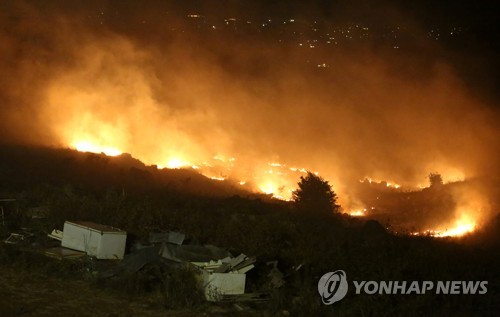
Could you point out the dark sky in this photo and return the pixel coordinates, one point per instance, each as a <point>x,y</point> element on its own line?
<point>481,12</point>
<point>480,17</point>
<point>480,43</point>
<point>428,11</point>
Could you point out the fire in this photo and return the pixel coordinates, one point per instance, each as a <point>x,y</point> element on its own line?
<point>176,163</point>
<point>86,146</point>
<point>268,188</point>
<point>153,135</point>
<point>393,185</point>
<point>357,213</point>
<point>117,99</point>
<point>217,178</point>
<point>277,191</point>
<point>468,215</point>
<point>389,184</point>
<point>461,227</point>
<point>277,184</point>
<point>279,180</point>
<point>460,230</point>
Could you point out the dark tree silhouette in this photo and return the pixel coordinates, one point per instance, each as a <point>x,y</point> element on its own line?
<point>315,195</point>
<point>435,179</point>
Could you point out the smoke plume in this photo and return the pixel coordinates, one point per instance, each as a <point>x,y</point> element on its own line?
<point>147,83</point>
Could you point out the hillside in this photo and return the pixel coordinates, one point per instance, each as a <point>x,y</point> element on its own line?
<point>25,167</point>
<point>54,185</point>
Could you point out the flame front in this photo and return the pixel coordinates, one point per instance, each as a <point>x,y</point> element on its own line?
<point>463,226</point>
<point>278,180</point>
<point>461,229</point>
<point>86,146</point>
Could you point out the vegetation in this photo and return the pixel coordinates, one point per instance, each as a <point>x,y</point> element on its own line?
<point>315,195</point>
<point>435,179</point>
<point>269,230</point>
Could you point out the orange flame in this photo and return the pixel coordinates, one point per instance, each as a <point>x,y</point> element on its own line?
<point>85,146</point>
<point>357,213</point>
<point>461,227</point>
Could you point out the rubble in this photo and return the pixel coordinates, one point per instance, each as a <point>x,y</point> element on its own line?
<point>247,297</point>
<point>276,277</point>
<point>14,238</point>
<point>135,261</point>
<point>56,234</point>
<point>220,274</point>
<point>192,253</point>
<point>167,237</point>
<point>240,264</point>
<point>225,276</point>
<point>217,285</point>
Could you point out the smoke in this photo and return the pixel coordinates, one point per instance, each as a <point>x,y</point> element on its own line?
<point>145,82</point>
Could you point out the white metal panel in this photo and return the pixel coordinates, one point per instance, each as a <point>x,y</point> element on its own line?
<point>88,238</point>
<point>112,246</point>
<point>217,284</point>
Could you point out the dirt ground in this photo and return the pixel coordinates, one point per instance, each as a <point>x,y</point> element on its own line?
<point>24,293</point>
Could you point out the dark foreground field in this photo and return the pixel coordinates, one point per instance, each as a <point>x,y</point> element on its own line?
<point>25,293</point>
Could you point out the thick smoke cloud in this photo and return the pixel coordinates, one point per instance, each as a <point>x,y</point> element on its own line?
<point>146,83</point>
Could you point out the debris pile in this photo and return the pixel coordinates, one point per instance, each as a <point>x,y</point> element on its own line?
<point>221,275</point>
<point>224,276</point>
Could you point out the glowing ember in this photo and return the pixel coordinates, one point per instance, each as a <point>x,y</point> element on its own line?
<point>357,213</point>
<point>85,146</point>
<point>216,178</point>
<point>393,185</point>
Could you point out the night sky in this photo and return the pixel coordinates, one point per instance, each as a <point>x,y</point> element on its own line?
<point>474,53</point>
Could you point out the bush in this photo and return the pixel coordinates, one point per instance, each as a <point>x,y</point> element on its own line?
<point>315,195</point>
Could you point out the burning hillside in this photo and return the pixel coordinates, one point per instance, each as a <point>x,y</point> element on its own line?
<point>439,210</point>
<point>251,111</point>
